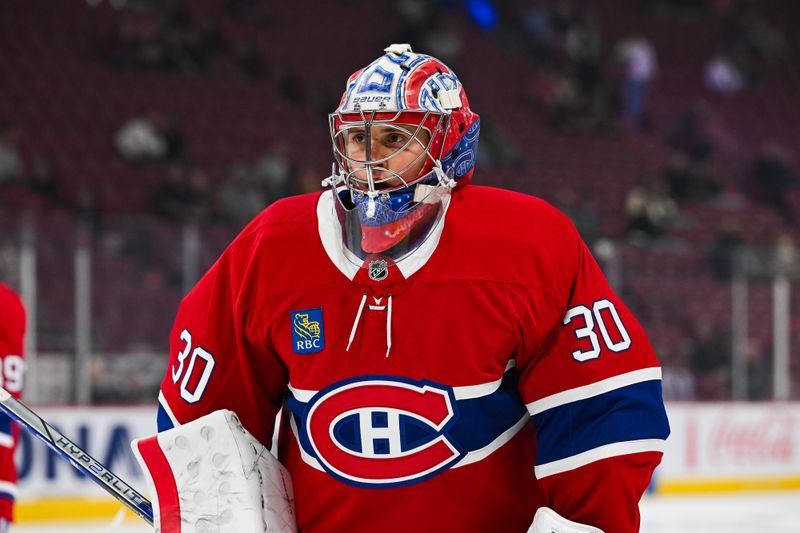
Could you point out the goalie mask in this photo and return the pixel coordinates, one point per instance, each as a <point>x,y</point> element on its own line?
<point>403,138</point>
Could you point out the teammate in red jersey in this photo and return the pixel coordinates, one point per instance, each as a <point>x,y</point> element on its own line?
<point>447,357</point>
<point>12,331</point>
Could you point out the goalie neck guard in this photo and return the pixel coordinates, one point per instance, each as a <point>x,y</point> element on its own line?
<point>403,138</point>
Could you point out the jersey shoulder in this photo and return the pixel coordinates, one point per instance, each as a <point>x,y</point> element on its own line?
<point>291,214</point>
<point>510,236</point>
<point>287,224</point>
<point>514,214</point>
<point>273,246</point>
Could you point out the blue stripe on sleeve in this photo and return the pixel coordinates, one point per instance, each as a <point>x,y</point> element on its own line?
<point>482,419</point>
<point>163,419</point>
<point>629,413</point>
<point>5,424</point>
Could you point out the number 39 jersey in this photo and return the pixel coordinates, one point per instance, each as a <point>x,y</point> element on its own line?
<point>12,330</point>
<point>492,372</point>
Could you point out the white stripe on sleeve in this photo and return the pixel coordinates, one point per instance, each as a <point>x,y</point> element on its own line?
<point>8,487</point>
<point>601,452</point>
<point>163,402</point>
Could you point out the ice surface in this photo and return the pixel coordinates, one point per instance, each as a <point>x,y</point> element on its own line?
<point>774,512</point>
<point>777,512</point>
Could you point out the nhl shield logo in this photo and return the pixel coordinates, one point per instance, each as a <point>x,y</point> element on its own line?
<point>378,269</point>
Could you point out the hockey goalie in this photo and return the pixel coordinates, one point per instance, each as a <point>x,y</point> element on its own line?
<point>445,356</point>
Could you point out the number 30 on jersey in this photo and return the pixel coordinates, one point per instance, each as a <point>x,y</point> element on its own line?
<point>195,373</point>
<point>595,318</point>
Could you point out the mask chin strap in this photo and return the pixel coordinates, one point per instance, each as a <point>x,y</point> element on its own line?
<point>335,178</point>
<point>433,193</point>
<point>444,179</point>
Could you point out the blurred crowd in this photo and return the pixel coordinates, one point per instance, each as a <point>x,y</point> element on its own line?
<point>582,80</point>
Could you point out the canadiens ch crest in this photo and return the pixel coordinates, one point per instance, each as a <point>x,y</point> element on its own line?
<point>383,431</point>
<point>307,331</point>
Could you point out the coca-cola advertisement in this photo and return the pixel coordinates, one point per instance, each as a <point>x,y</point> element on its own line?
<point>731,445</point>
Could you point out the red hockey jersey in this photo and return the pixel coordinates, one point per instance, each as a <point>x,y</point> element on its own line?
<point>12,330</point>
<point>492,372</point>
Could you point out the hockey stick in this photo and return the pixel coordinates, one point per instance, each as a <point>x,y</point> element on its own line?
<point>73,453</point>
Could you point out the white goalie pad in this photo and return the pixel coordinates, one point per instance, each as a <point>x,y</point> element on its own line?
<point>547,520</point>
<point>212,476</point>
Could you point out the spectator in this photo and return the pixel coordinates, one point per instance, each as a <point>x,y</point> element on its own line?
<point>149,138</point>
<point>565,109</point>
<point>641,66</point>
<point>709,356</point>
<point>11,167</point>
<point>678,381</point>
<point>649,210</point>
<point>497,149</point>
<point>288,83</point>
<point>203,194</point>
<point>691,134</point>
<point>445,42</point>
<point>688,181</point>
<point>185,194</point>
<point>542,88</point>
<point>307,180</point>
<point>582,44</point>
<point>582,213</point>
<point>240,197</point>
<point>759,371</point>
<point>43,178</point>
<point>538,28</point>
<point>722,75</point>
<point>250,60</point>
<point>725,249</point>
<point>139,140</point>
<point>416,18</point>
<point>772,177</point>
<point>273,171</point>
<point>784,256</point>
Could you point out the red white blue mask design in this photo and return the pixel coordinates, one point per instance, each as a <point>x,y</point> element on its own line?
<point>391,194</point>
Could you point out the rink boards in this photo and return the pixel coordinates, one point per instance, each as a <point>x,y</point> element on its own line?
<point>713,448</point>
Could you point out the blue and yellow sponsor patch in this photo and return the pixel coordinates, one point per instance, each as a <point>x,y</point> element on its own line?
<point>307,331</point>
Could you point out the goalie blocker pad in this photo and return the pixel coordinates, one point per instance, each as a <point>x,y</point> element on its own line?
<point>547,520</point>
<point>212,475</point>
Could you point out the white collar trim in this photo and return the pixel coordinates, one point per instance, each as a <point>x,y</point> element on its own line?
<point>348,263</point>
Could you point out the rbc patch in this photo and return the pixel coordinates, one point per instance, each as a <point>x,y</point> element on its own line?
<point>307,333</point>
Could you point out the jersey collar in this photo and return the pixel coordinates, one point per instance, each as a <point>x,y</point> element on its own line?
<point>330,233</point>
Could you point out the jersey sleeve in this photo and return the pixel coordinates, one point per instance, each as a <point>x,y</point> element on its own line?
<point>592,386</point>
<point>220,357</point>
<point>12,332</point>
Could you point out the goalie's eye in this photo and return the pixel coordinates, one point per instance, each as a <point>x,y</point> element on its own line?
<point>395,139</point>
<point>356,137</point>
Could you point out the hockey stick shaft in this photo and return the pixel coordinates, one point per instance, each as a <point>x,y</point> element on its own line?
<point>73,453</point>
